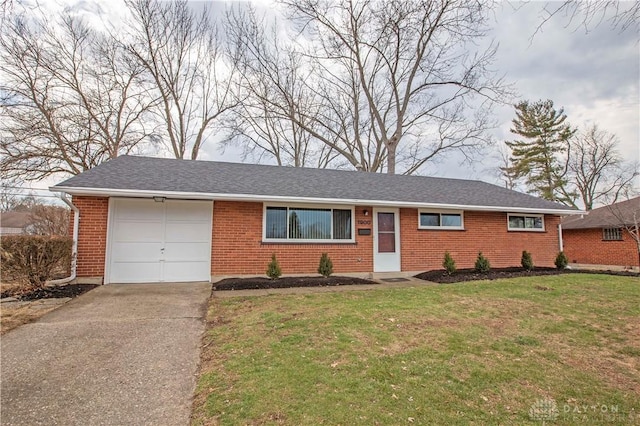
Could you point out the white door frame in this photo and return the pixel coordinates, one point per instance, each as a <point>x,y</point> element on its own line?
<point>386,262</point>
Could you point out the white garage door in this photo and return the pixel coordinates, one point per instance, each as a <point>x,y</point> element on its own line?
<point>159,241</point>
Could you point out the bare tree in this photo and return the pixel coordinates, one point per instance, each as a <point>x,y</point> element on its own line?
<point>622,15</point>
<point>598,172</point>
<point>626,215</point>
<point>390,83</point>
<point>506,168</point>
<point>10,196</point>
<point>49,220</point>
<point>71,99</point>
<point>188,69</point>
<point>273,75</point>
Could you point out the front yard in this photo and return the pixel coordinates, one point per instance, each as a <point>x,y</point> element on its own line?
<point>563,349</point>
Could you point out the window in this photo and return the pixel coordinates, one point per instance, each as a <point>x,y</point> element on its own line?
<point>611,234</point>
<point>440,220</point>
<point>526,222</point>
<point>305,224</point>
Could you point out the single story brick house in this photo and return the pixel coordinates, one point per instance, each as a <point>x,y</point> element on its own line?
<point>601,236</point>
<point>143,219</point>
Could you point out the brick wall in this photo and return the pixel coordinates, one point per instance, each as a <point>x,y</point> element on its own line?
<point>92,238</point>
<point>423,250</point>
<point>237,246</point>
<point>587,246</point>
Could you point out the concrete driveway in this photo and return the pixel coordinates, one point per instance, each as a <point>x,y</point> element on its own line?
<point>122,354</point>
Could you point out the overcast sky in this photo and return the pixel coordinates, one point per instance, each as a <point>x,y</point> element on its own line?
<point>594,75</point>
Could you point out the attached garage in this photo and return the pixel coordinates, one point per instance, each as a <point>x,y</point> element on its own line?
<point>158,240</point>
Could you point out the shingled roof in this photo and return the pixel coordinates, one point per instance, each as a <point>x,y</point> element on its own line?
<point>145,176</point>
<point>615,215</point>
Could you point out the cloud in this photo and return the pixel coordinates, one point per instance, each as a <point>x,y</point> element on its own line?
<point>595,76</point>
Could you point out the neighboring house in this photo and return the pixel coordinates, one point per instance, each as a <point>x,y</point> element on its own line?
<point>601,236</point>
<point>151,219</point>
<point>15,223</point>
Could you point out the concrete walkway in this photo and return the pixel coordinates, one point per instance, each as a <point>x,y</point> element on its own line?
<point>122,354</point>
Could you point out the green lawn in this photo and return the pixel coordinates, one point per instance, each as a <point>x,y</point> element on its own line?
<point>478,352</point>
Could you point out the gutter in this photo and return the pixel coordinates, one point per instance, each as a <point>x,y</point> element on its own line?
<point>74,246</point>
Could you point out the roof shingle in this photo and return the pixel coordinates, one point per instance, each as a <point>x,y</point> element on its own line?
<point>206,177</point>
<point>615,215</point>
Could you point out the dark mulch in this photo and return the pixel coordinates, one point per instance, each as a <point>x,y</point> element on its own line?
<point>441,276</point>
<point>69,290</point>
<point>286,282</point>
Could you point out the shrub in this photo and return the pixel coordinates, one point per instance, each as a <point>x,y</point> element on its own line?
<point>482,263</point>
<point>326,265</point>
<point>449,264</point>
<point>34,258</point>
<point>273,268</point>
<point>526,261</point>
<point>561,260</point>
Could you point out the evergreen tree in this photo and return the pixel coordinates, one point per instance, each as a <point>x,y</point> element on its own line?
<point>536,157</point>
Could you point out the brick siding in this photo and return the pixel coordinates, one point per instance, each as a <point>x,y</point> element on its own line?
<point>92,237</point>
<point>237,246</point>
<point>423,249</point>
<point>587,246</point>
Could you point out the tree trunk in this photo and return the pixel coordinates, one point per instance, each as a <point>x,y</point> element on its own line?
<point>391,159</point>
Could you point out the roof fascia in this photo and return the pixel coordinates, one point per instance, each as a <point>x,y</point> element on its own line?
<point>105,192</point>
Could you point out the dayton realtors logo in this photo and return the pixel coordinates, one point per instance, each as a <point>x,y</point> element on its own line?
<point>544,410</point>
<point>547,410</point>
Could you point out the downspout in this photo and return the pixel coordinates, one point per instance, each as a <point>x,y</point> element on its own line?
<point>74,246</point>
<point>560,242</point>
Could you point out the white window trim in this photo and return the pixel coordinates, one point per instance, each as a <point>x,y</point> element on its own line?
<point>441,212</point>
<point>309,206</point>
<point>525,215</point>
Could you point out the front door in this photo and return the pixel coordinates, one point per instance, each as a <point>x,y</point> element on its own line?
<point>386,240</point>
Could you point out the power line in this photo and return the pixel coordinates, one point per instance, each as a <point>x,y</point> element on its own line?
<point>24,189</point>
<point>17,194</point>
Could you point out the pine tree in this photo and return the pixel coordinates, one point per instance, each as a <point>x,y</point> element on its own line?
<point>273,268</point>
<point>448,263</point>
<point>326,265</point>
<point>537,156</point>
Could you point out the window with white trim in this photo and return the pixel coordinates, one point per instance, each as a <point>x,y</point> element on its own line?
<point>612,234</point>
<point>529,222</point>
<point>308,224</point>
<point>433,219</point>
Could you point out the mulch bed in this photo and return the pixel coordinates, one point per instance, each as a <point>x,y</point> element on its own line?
<point>58,292</point>
<point>441,276</point>
<point>286,282</point>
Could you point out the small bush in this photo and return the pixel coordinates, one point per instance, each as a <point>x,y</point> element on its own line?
<point>526,261</point>
<point>34,258</point>
<point>326,265</point>
<point>273,268</point>
<point>449,264</point>
<point>482,263</point>
<point>561,260</point>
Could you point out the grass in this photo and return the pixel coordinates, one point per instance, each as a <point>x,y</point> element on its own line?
<point>478,352</point>
<point>15,316</point>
